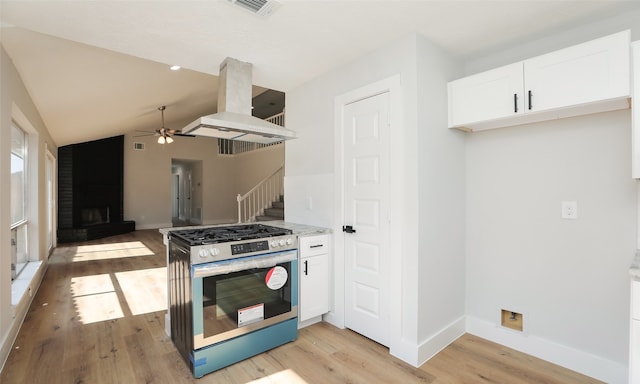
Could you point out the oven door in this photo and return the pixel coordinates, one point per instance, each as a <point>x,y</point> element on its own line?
<point>237,296</point>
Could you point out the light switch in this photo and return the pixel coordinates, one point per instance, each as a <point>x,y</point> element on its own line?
<point>309,203</point>
<point>569,210</point>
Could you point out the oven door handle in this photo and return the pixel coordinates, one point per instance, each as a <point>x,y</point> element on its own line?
<point>242,264</point>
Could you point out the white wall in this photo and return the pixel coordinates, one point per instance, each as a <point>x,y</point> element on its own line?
<point>441,201</point>
<point>568,278</point>
<point>252,167</point>
<point>555,40</point>
<point>310,175</point>
<point>15,102</point>
<point>147,178</point>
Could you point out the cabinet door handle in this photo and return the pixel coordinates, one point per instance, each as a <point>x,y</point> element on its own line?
<point>515,103</point>
<point>306,266</point>
<point>530,102</point>
<point>317,246</point>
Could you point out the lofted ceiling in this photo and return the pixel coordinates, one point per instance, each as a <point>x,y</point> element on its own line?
<point>100,68</point>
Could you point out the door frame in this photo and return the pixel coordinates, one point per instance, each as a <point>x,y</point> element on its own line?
<point>336,316</point>
<point>52,198</point>
<point>175,196</point>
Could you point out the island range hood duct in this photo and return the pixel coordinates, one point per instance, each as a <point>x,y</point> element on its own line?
<point>233,120</point>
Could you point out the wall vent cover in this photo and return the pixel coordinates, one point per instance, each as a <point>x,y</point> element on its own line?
<point>259,7</point>
<point>138,146</point>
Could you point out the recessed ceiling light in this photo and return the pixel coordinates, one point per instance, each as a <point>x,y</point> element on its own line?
<point>174,67</point>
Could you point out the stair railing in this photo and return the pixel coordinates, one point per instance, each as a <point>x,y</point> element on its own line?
<point>260,197</point>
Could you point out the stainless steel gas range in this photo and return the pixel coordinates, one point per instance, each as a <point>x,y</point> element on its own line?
<point>233,292</point>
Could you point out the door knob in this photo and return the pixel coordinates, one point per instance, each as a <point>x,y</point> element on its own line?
<point>348,229</point>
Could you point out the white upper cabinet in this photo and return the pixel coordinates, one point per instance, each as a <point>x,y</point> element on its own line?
<point>585,73</point>
<point>485,96</point>
<point>586,78</point>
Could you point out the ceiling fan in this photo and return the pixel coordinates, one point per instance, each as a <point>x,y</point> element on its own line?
<point>164,134</point>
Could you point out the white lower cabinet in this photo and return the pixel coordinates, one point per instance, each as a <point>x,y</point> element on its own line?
<point>634,334</point>
<point>314,277</point>
<point>634,355</point>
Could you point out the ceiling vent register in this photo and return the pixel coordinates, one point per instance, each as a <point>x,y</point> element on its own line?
<point>259,7</point>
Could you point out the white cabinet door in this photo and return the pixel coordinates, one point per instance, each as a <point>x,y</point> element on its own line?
<point>314,286</point>
<point>580,74</point>
<point>634,334</point>
<point>634,353</point>
<point>488,95</point>
<point>635,299</point>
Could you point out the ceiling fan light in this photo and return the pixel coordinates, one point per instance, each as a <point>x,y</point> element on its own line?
<point>169,140</point>
<point>161,140</point>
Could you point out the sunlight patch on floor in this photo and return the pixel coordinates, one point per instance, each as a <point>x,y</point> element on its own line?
<point>145,290</point>
<point>106,251</point>
<point>95,299</point>
<point>287,376</point>
<point>91,285</point>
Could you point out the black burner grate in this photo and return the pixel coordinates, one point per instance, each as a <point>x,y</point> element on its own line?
<point>212,235</point>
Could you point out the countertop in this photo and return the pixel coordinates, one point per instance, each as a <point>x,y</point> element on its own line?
<point>298,229</point>
<point>634,270</point>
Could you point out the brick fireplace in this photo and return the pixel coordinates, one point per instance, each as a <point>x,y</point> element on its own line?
<point>90,190</point>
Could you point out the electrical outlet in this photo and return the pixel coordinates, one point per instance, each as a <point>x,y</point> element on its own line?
<point>569,210</point>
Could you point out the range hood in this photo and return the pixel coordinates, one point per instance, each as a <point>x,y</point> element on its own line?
<point>233,121</point>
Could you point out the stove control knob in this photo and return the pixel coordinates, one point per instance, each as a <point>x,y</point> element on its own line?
<point>202,253</point>
<point>274,243</point>
<point>214,251</point>
<point>289,241</point>
<point>281,242</point>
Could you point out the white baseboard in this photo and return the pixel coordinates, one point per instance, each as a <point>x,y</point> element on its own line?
<point>153,226</point>
<point>441,340</point>
<point>308,322</point>
<point>417,355</point>
<point>562,355</point>
<point>333,319</point>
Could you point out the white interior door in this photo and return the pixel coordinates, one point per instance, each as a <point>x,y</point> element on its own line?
<point>366,204</point>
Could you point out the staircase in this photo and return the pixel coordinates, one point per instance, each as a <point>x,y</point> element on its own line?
<point>275,212</point>
<point>265,201</point>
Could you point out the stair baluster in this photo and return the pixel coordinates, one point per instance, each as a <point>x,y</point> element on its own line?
<point>258,203</point>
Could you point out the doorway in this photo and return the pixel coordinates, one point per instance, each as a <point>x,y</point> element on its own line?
<point>183,204</point>
<point>364,131</point>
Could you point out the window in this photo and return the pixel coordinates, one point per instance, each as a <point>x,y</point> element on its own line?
<point>19,255</point>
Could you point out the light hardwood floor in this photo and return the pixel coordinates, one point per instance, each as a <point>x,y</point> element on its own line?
<point>99,318</point>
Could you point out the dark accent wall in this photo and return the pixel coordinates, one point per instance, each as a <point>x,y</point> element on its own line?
<point>90,183</point>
